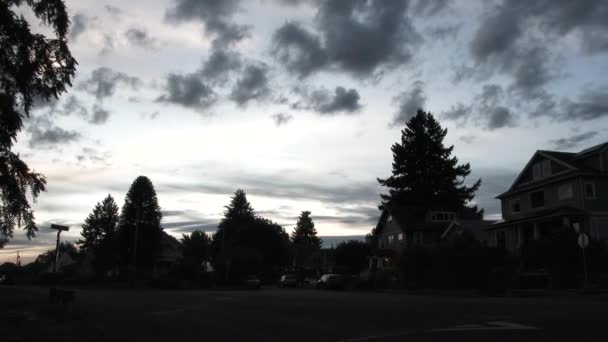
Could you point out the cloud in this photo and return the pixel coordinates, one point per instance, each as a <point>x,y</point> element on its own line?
<point>467,139</point>
<point>113,10</point>
<point>220,65</point>
<point>493,115</point>
<point>108,45</point>
<point>409,102</point>
<point>100,115</point>
<point>298,50</point>
<point>216,16</point>
<point>103,82</point>
<point>590,105</point>
<point>324,102</point>
<point>362,38</point>
<point>499,117</point>
<point>79,24</point>
<point>44,135</point>
<point>140,37</point>
<point>459,112</point>
<point>188,90</point>
<point>253,85</point>
<point>281,118</point>
<point>573,141</point>
<point>430,8</point>
<point>93,155</point>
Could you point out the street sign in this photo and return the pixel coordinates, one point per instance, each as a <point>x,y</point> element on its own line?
<point>583,240</point>
<point>60,227</point>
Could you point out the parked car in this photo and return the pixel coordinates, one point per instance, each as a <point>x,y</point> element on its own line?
<point>330,281</point>
<point>288,280</point>
<point>310,282</point>
<point>5,279</point>
<point>252,282</point>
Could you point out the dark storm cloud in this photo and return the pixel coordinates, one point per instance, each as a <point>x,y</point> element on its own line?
<point>253,85</point>
<point>409,102</point>
<point>499,117</point>
<point>216,16</point>
<point>220,64</point>
<point>281,118</point>
<point>299,50</point>
<point>590,105</point>
<point>79,24</point>
<point>100,115</point>
<point>189,91</point>
<point>103,82</point>
<point>140,37</point>
<point>492,114</point>
<point>459,112</point>
<point>324,102</point>
<point>45,135</point>
<point>430,8</point>
<point>573,141</point>
<point>360,37</point>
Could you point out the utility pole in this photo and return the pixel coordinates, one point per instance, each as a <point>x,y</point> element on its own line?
<point>59,229</point>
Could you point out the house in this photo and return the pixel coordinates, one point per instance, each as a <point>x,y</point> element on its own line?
<point>555,190</point>
<point>170,254</point>
<point>417,226</point>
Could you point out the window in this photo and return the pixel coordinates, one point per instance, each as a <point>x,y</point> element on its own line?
<point>501,241</point>
<point>400,236</point>
<point>589,190</point>
<point>389,219</point>
<point>391,239</point>
<point>537,199</point>
<point>564,191</point>
<point>537,171</point>
<point>515,205</point>
<point>546,168</point>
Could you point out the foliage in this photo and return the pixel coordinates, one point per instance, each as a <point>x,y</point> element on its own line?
<point>304,238</point>
<point>140,213</point>
<point>48,257</point>
<point>460,263</point>
<point>424,171</point>
<point>32,67</point>
<point>195,250</point>
<point>352,255</point>
<point>248,244</point>
<point>99,233</point>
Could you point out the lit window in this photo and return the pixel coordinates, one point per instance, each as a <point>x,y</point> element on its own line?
<point>589,190</point>
<point>400,236</point>
<point>564,191</point>
<point>391,239</point>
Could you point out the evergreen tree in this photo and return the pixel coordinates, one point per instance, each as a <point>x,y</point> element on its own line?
<point>32,67</point>
<point>101,225</point>
<point>425,173</point>
<point>140,213</point>
<point>237,215</point>
<point>195,249</point>
<point>304,238</point>
<point>99,233</point>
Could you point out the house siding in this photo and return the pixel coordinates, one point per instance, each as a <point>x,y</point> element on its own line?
<point>551,199</point>
<point>600,202</point>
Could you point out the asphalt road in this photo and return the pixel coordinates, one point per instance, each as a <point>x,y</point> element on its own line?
<point>272,314</point>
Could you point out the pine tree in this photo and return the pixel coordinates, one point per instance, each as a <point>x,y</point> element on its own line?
<point>424,171</point>
<point>195,247</point>
<point>32,67</point>
<point>305,234</point>
<point>101,225</point>
<point>304,238</point>
<point>141,213</point>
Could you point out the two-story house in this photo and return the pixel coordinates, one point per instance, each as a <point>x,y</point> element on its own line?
<point>555,189</point>
<point>416,226</point>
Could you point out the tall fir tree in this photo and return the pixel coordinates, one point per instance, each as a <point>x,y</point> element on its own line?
<point>99,234</point>
<point>140,213</point>
<point>101,225</point>
<point>304,238</point>
<point>425,173</point>
<point>34,68</point>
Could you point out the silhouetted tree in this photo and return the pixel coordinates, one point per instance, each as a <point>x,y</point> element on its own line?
<point>352,255</point>
<point>32,67</point>
<point>48,257</point>
<point>304,238</point>
<point>246,244</point>
<point>195,250</point>
<point>141,214</point>
<point>424,171</point>
<point>99,233</point>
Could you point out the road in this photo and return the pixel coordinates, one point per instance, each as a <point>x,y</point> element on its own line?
<point>272,314</point>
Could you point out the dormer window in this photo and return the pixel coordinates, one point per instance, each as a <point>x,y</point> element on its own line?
<point>441,216</point>
<point>541,169</point>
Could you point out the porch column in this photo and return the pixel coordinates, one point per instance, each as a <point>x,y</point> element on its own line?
<point>536,232</point>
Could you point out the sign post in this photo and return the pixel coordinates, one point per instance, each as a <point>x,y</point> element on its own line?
<point>59,229</point>
<point>583,243</point>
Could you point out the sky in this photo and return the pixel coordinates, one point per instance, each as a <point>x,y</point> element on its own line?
<point>298,103</point>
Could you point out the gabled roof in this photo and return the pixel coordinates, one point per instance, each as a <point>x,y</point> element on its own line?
<point>569,160</point>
